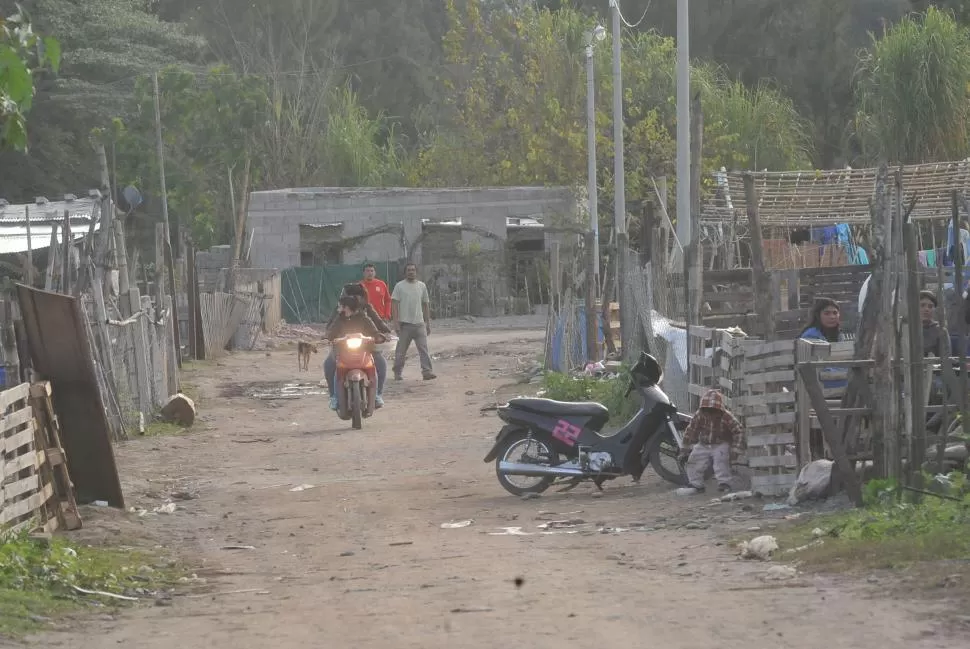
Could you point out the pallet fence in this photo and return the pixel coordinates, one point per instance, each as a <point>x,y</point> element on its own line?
<point>35,488</point>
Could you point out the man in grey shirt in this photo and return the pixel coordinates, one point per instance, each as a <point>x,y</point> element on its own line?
<point>411,313</point>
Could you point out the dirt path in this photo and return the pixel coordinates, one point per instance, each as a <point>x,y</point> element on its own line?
<point>361,558</point>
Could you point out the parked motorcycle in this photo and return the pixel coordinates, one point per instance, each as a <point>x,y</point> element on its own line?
<point>356,378</point>
<point>553,441</point>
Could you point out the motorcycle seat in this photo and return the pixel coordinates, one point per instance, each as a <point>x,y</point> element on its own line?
<point>563,408</point>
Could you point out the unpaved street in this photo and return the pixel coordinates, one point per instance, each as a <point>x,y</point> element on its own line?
<point>361,558</point>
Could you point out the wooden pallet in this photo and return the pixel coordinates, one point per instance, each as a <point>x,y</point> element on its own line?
<point>768,411</point>
<point>53,467</point>
<point>23,496</point>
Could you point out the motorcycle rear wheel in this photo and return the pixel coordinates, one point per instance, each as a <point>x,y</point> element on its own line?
<point>356,405</point>
<point>665,446</point>
<point>511,443</point>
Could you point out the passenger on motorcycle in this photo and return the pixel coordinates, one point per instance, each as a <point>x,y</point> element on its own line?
<point>352,319</point>
<point>357,291</point>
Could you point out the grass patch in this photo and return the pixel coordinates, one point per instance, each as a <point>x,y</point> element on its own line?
<point>37,577</point>
<point>609,392</point>
<point>926,544</point>
<point>164,429</point>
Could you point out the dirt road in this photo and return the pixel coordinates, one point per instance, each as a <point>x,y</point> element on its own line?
<point>360,559</point>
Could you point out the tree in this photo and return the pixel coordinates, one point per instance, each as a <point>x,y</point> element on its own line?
<point>21,52</point>
<point>914,91</point>
<point>107,45</point>
<point>516,110</point>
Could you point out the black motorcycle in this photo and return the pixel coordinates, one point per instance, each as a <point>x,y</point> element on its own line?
<point>552,441</point>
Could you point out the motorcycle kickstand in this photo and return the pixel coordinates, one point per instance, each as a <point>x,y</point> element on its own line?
<point>599,483</point>
<point>572,485</point>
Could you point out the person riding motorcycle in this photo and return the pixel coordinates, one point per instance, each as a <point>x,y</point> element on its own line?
<point>352,319</point>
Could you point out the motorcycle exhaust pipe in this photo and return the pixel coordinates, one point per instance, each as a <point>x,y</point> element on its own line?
<point>538,471</point>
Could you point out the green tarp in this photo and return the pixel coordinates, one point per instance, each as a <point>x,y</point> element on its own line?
<point>310,292</point>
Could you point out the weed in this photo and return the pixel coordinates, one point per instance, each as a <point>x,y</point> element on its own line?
<point>163,429</point>
<point>920,541</point>
<point>38,576</point>
<point>609,392</point>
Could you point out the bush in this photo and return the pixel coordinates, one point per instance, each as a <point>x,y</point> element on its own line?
<point>608,391</point>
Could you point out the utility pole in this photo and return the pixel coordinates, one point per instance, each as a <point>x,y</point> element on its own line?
<point>619,210</point>
<point>592,239</point>
<point>683,146</point>
<point>168,232</point>
<point>161,157</point>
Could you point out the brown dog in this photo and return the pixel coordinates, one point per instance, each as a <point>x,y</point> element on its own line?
<point>303,355</point>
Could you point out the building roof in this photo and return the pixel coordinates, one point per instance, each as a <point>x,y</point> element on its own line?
<point>43,215</point>
<point>818,198</point>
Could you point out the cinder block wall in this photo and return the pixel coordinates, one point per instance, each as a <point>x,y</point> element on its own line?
<point>275,216</point>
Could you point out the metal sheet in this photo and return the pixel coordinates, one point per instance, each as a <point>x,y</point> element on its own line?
<point>60,352</point>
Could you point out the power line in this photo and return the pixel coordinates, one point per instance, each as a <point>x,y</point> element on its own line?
<point>637,24</point>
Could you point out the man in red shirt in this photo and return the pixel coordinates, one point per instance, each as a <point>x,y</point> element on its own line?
<point>377,292</point>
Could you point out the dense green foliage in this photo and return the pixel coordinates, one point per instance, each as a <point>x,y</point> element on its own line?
<point>470,92</point>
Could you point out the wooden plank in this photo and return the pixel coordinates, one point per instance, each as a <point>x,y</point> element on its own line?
<point>767,363</point>
<point>27,506</point>
<point>18,440</point>
<point>772,461</point>
<point>41,390</point>
<point>771,398</point>
<point>701,361</point>
<point>13,395</point>
<point>19,463</point>
<point>775,419</point>
<point>729,296</point>
<point>785,480</point>
<point>778,376</point>
<point>700,332</point>
<point>773,439</point>
<point>13,490</point>
<point>755,348</point>
<point>15,419</point>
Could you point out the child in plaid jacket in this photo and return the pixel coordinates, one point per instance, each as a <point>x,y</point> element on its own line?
<point>712,437</point>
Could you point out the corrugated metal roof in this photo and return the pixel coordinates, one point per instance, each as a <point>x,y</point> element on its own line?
<point>43,214</point>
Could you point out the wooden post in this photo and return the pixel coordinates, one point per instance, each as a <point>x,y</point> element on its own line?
<point>592,339</point>
<point>122,249</point>
<point>66,259</point>
<point>917,375</point>
<point>761,282</point>
<point>192,295</point>
<point>30,250</point>
<point>555,275</point>
<point>51,259</point>
<point>648,226</point>
<point>958,264</point>
<point>176,333</point>
<point>141,355</point>
<point>883,384</point>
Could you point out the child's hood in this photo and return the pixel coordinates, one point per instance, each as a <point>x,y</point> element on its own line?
<point>713,399</point>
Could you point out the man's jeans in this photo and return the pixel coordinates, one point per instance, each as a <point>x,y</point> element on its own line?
<point>330,371</point>
<point>419,334</point>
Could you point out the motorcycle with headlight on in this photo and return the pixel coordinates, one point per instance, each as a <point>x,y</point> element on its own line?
<point>356,378</point>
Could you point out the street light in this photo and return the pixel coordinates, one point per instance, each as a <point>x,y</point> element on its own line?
<point>598,34</point>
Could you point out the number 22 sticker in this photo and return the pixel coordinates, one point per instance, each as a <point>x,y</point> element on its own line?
<point>566,432</point>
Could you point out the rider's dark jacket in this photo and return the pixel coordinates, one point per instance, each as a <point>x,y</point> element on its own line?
<point>358,323</point>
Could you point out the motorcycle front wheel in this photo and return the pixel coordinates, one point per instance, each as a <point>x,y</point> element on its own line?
<point>664,454</point>
<point>519,447</point>
<point>356,404</point>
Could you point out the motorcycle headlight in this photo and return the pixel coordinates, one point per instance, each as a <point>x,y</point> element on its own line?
<point>354,343</point>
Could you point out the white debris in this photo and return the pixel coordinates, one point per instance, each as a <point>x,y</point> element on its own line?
<point>454,525</point>
<point>760,548</point>
<point>813,482</point>
<point>780,573</point>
